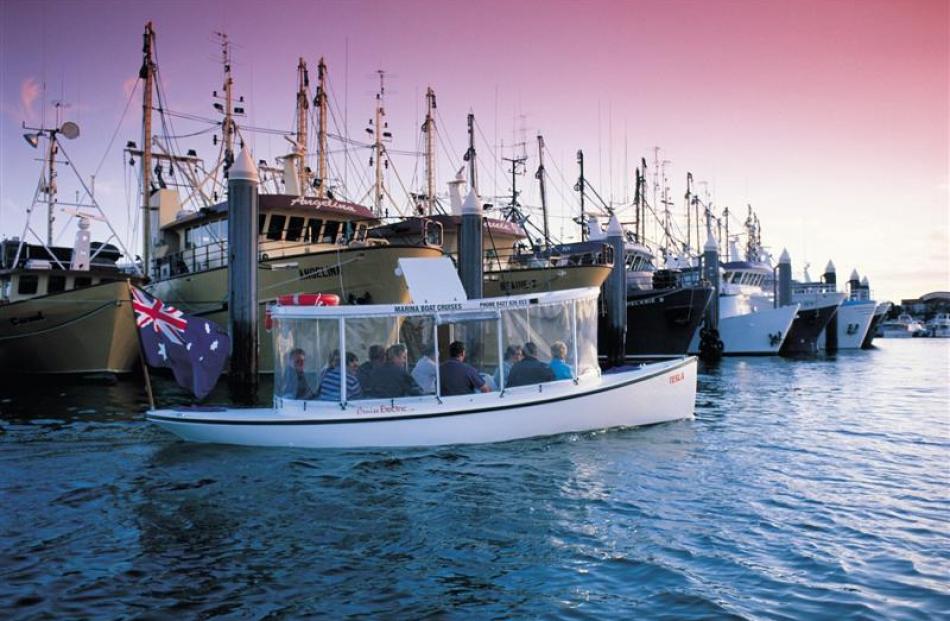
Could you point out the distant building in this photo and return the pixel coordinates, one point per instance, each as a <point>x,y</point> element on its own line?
<point>928,305</point>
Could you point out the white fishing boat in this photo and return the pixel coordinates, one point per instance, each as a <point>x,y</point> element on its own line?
<point>749,324</point>
<point>939,326</point>
<point>904,326</point>
<point>317,343</point>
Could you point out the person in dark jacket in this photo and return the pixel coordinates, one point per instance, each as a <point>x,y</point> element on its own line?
<point>529,370</point>
<point>376,359</point>
<point>458,378</point>
<point>392,380</point>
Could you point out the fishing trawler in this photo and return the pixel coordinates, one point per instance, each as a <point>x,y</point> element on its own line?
<point>855,314</point>
<point>337,415</point>
<point>309,240</point>
<point>64,310</point>
<point>664,306</point>
<point>514,261</point>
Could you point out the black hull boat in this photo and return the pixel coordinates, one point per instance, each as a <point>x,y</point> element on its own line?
<point>808,325</point>
<point>662,322</point>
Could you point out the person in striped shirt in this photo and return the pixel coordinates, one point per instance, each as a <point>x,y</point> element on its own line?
<point>330,382</point>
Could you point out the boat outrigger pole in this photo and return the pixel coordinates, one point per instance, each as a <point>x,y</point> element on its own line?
<point>428,127</point>
<point>470,154</point>
<point>544,201</point>
<point>321,102</point>
<point>303,105</point>
<point>580,186</point>
<point>147,73</point>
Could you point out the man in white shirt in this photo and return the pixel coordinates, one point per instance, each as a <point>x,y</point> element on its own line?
<point>425,370</point>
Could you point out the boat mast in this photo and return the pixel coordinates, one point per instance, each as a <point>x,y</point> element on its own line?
<point>378,148</point>
<point>725,216</point>
<point>689,206</point>
<point>228,128</point>
<point>667,217</point>
<point>470,154</point>
<point>147,73</point>
<point>321,101</point>
<point>636,207</point>
<point>581,183</point>
<point>303,104</point>
<point>50,188</point>
<point>544,200</point>
<point>428,127</point>
<point>642,213</point>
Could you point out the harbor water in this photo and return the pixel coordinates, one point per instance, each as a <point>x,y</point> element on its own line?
<point>805,489</point>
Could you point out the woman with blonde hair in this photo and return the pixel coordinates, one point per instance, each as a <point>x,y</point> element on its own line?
<point>561,369</point>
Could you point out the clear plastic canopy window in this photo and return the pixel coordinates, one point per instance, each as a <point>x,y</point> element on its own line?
<point>560,336</point>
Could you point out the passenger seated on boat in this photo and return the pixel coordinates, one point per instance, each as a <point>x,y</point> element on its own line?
<point>529,370</point>
<point>377,358</point>
<point>392,380</point>
<point>330,381</point>
<point>512,355</point>
<point>561,369</point>
<point>458,378</point>
<point>295,381</point>
<point>425,370</point>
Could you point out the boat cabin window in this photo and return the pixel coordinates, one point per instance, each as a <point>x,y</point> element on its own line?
<point>294,228</point>
<point>330,232</point>
<point>29,283</point>
<point>56,284</point>
<point>82,281</point>
<point>275,228</point>
<point>313,230</point>
<point>261,220</point>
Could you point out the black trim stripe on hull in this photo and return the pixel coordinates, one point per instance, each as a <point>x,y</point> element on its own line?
<point>378,419</point>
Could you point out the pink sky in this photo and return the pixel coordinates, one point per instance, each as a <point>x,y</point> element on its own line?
<point>829,117</point>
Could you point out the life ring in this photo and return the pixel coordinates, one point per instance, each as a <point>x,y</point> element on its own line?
<point>300,299</point>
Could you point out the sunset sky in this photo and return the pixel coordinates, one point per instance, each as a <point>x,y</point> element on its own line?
<point>829,117</point>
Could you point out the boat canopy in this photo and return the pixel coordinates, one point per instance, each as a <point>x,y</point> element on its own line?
<point>316,346</point>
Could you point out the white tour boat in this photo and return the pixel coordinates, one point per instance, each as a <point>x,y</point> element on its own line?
<point>316,343</point>
<point>904,326</point>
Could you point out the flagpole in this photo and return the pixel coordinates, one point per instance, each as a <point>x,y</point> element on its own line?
<point>148,379</point>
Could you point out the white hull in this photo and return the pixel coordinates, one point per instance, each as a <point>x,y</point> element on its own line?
<point>756,333</point>
<point>854,319</point>
<point>655,393</point>
<point>895,333</point>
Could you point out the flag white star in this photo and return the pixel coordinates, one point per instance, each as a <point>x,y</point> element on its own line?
<point>161,351</point>
<point>207,328</point>
<point>214,345</point>
<point>188,346</point>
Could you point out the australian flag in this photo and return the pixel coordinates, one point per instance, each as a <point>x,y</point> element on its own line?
<point>195,349</point>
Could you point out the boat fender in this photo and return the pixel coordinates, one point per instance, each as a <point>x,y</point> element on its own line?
<point>300,299</point>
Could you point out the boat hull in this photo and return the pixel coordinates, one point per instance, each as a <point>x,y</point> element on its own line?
<point>87,330</point>
<point>662,322</point>
<point>537,280</point>
<point>880,314</point>
<point>759,333</point>
<point>854,319</point>
<point>365,275</point>
<point>652,394</point>
<point>808,325</point>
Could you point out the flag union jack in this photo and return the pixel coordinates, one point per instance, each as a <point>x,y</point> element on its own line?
<point>165,319</point>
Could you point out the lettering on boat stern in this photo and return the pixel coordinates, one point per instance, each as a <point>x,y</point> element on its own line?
<point>677,377</point>
<point>312,273</point>
<point>19,321</point>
